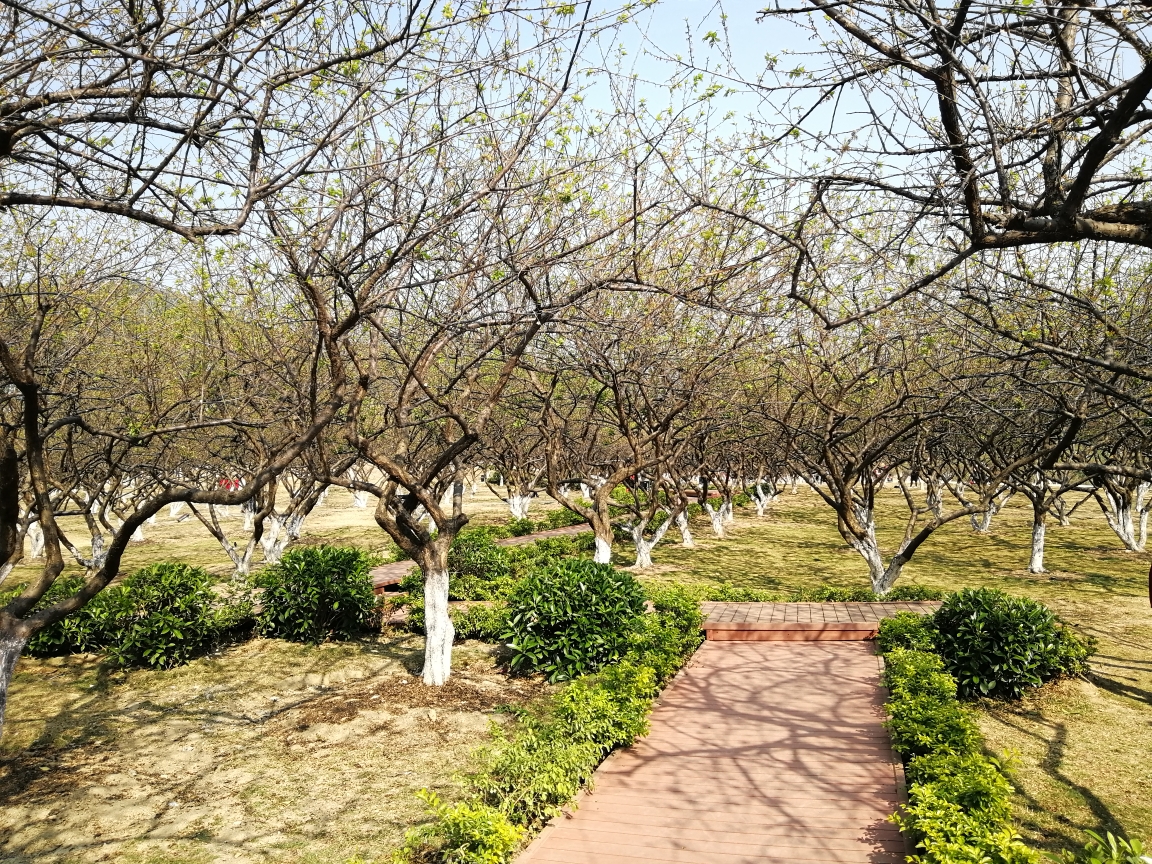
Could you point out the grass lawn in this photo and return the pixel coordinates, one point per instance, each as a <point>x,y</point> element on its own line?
<point>288,754</point>
<point>1080,751</point>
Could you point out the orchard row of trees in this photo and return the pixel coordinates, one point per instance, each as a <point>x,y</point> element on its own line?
<point>256,251</point>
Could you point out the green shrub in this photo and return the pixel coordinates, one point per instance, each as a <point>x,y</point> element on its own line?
<point>906,630</point>
<point>924,718</point>
<point>464,833</point>
<point>572,618</point>
<point>318,592</point>
<point>914,594</point>
<point>478,569</point>
<point>521,527</point>
<point>1106,850</point>
<point>545,552</point>
<point>561,518</point>
<point>486,623</point>
<point>172,616</point>
<point>725,593</point>
<point>945,833</point>
<point>958,799</point>
<point>84,631</point>
<point>995,644</point>
<point>160,616</point>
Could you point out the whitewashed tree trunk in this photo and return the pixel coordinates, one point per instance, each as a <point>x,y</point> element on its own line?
<point>716,517</point>
<point>1121,520</point>
<point>882,577</point>
<point>762,499</point>
<point>518,505</point>
<point>795,485</point>
<point>99,553</point>
<point>138,534</point>
<point>685,532</point>
<point>603,553</point>
<point>726,511</point>
<point>174,509</point>
<point>1039,526</point>
<point>36,540</point>
<point>644,547</point>
<point>982,522</point>
<point>438,629</point>
<point>274,539</point>
<point>359,499</point>
<point>11,645</point>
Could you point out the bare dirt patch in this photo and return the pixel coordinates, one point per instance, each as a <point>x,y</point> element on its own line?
<point>268,752</point>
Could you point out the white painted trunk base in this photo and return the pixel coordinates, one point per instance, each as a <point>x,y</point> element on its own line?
<point>518,505</point>
<point>603,554</point>
<point>10,648</point>
<point>1036,562</point>
<point>438,629</point>
<point>685,532</point>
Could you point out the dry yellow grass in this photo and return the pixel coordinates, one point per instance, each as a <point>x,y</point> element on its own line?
<point>327,771</point>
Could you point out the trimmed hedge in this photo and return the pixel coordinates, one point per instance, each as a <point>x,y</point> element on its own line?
<point>530,772</point>
<point>958,809</point>
<point>958,801</point>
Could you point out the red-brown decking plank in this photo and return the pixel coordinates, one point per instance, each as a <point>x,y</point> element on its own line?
<point>758,751</point>
<point>801,622</point>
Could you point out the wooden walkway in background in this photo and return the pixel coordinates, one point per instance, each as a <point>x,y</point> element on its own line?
<point>759,751</point>
<point>802,621</point>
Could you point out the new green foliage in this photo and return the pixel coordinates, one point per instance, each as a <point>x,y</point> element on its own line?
<point>316,593</point>
<point>906,630</point>
<point>1108,849</point>
<point>995,644</point>
<point>572,618</point>
<point>957,811</point>
<point>464,833</point>
<point>160,616</point>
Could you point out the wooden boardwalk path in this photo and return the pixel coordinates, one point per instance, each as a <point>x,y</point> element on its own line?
<point>759,751</point>
<point>802,621</point>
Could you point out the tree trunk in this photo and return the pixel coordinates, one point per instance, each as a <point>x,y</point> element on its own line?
<point>438,629</point>
<point>882,577</point>
<point>11,541</point>
<point>685,531</point>
<point>518,505</point>
<point>644,546</point>
<point>717,519</point>
<point>603,554</point>
<point>1039,526</point>
<point>1120,520</point>
<point>174,509</point>
<point>36,538</point>
<point>11,644</point>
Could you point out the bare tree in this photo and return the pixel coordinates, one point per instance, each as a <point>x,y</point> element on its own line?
<point>78,414</point>
<point>944,133</point>
<point>187,115</point>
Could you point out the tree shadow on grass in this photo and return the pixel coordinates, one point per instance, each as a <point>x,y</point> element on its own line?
<point>1071,834</point>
